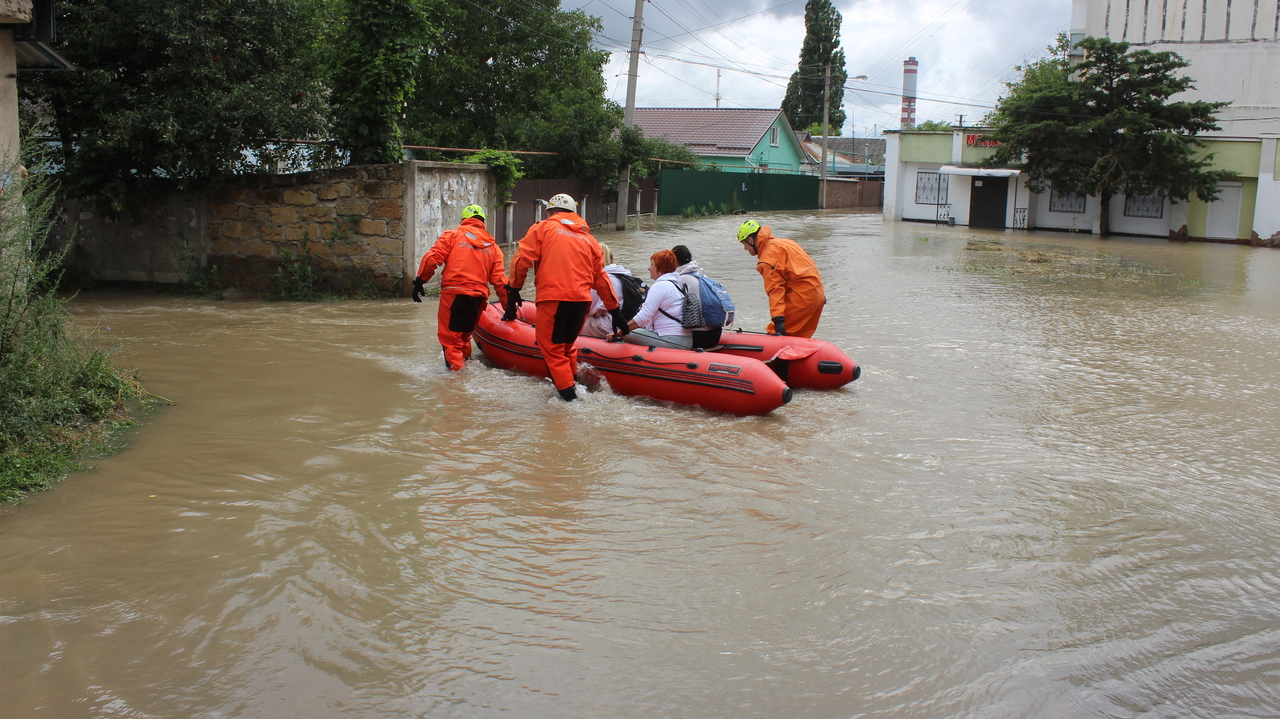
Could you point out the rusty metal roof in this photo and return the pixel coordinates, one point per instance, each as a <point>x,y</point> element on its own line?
<point>708,131</point>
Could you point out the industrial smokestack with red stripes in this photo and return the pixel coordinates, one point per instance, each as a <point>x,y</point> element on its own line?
<point>909,68</point>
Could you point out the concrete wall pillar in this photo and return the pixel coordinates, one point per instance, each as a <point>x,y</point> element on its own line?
<point>9,140</point>
<point>892,209</point>
<point>1266,214</point>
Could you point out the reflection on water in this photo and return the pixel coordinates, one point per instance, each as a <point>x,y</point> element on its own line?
<point>1043,498</point>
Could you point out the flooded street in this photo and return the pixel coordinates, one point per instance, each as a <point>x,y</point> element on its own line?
<point>1047,496</point>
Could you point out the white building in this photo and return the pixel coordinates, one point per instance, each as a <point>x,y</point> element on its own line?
<point>1234,50</point>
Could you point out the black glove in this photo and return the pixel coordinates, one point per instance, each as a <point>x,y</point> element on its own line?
<point>619,323</point>
<point>779,325</point>
<point>417,289</point>
<point>513,301</point>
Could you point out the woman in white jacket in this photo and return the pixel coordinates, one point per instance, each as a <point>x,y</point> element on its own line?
<point>657,324</point>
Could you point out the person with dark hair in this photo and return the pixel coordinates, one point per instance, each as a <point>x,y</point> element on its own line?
<point>703,337</point>
<point>569,265</point>
<point>657,324</point>
<point>683,256</point>
<point>472,261</point>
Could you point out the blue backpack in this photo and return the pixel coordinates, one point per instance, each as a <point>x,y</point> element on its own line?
<point>717,308</point>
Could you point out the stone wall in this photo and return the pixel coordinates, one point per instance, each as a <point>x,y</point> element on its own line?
<point>346,218</point>
<point>372,220</point>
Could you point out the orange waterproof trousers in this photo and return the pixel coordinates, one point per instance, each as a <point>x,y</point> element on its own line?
<point>801,318</point>
<point>455,321</point>
<point>559,323</point>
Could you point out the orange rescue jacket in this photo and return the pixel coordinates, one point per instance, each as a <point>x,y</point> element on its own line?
<point>567,261</point>
<point>790,277</point>
<point>472,261</point>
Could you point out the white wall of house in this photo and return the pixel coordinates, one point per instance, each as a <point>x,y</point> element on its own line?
<point>909,209</point>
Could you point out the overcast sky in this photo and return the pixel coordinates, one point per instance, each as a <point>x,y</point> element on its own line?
<point>966,48</point>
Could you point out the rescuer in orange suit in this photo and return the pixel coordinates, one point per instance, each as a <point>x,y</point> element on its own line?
<point>472,261</point>
<point>567,264</point>
<point>791,280</point>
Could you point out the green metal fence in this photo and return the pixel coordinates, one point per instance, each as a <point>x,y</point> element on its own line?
<point>749,191</point>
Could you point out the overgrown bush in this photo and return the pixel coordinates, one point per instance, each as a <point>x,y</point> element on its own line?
<point>60,396</point>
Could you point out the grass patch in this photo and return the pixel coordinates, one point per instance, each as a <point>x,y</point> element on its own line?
<point>60,397</point>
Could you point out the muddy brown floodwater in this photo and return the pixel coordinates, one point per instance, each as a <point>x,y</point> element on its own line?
<point>1050,495</point>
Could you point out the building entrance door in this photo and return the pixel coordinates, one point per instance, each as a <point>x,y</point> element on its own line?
<point>987,202</point>
<point>1223,222</point>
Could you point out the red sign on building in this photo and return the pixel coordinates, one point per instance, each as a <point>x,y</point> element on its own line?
<point>980,141</point>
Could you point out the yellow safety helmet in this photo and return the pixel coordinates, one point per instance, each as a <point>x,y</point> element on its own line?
<point>472,211</point>
<point>747,229</point>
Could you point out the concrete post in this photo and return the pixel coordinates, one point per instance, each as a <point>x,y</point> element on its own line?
<point>1266,215</point>
<point>9,140</point>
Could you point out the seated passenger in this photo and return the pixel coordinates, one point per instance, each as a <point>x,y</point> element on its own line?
<point>599,323</point>
<point>657,324</point>
<point>703,337</point>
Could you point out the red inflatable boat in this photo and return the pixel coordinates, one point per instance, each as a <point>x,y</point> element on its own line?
<point>736,385</point>
<point>801,362</point>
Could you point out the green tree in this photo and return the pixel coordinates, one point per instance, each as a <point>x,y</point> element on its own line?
<point>1106,126</point>
<point>816,130</point>
<point>645,154</point>
<point>377,48</point>
<point>518,75</point>
<point>176,92</point>
<point>803,102</point>
<point>934,126</point>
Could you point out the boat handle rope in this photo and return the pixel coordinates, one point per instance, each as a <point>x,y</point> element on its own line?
<point>639,358</point>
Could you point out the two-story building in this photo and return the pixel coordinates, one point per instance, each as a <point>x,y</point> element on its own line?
<point>1233,51</point>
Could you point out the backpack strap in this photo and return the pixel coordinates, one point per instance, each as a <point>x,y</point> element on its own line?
<point>683,294</point>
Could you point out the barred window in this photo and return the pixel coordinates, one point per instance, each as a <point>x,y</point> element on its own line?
<point>1062,202</point>
<point>931,188</point>
<point>1144,205</point>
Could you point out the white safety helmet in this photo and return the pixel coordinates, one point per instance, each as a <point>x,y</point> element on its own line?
<point>562,202</point>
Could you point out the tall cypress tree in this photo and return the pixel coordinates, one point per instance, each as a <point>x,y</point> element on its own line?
<point>803,102</point>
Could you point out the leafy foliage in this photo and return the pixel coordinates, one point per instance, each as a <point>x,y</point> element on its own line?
<point>505,166</point>
<point>58,394</point>
<point>176,91</point>
<point>934,126</point>
<point>1112,131</point>
<point>517,74</point>
<point>803,101</point>
<point>816,130</point>
<point>378,46</point>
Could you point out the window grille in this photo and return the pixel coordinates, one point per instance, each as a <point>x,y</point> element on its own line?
<point>1151,206</point>
<point>931,188</point>
<point>1061,202</point>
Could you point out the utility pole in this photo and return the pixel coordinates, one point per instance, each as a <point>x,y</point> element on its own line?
<point>717,88</point>
<point>826,109</point>
<point>629,112</point>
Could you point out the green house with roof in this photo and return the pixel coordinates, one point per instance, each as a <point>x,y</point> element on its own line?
<point>729,139</point>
